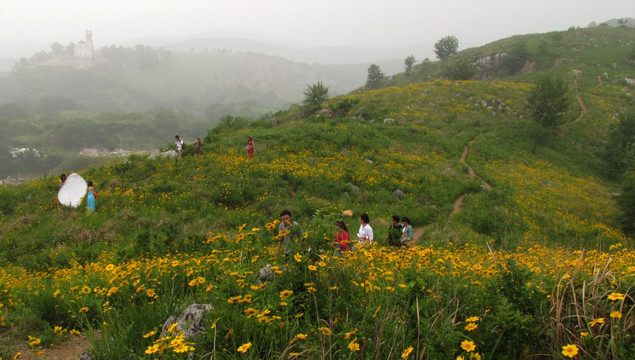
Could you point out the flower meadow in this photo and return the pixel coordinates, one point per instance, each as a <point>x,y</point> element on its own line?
<point>431,300</point>
<point>537,257</point>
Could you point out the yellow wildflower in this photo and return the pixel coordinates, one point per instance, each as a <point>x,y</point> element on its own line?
<point>244,347</point>
<point>570,350</point>
<point>406,352</point>
<point>616,315</point>
<point>468,345</point>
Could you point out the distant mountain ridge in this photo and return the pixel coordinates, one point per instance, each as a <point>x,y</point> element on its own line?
<point>328,55</point>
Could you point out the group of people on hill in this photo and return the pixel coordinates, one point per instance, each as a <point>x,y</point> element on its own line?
<point>400,234</point>
<point>198,146</point>
<point>180,146</point>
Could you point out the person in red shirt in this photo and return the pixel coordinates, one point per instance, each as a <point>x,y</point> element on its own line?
<point>341,238</point>
<point>250,147</point>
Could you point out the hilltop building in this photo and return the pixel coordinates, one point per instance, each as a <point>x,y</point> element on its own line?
<point>84,48</point>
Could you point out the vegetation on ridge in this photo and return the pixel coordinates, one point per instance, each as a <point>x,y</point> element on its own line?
<point>540,256</point>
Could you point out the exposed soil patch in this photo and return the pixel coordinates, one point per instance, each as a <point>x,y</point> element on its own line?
<point>582,105</point>
<point>70,350</point>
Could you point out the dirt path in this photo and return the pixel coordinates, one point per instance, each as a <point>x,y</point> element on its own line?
<point>472,173</point>
<point>582,105</point>
<point>70,350</point>
<point>458,203</point>
<point>600,80</point>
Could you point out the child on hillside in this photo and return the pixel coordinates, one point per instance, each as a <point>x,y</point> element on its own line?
<point>341,242</point>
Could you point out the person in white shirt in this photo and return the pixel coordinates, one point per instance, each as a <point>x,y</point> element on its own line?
<point>179,145</point>
<point>365,233</point>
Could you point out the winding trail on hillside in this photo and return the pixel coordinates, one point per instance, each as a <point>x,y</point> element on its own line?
<point>582,105</point>
<point>458,203</point>
<point>600,80</point>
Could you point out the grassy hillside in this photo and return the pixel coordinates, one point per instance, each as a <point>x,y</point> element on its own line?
<point>516,240</point>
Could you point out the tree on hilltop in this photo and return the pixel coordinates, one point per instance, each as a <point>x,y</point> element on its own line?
<point>409,62</point>
<point>446,47</point>
<point>375,77</point>
<point>316,94</point>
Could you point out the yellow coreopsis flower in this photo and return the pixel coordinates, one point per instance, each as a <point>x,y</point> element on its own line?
<point>468,345</point>
<point>149,334</point>
<point>616,315</point>
<point>112,290</point>
<point>472,319</point>
<point>325,331</point>
<point>596,321</point>
<point>297,257</point>
<point>153,349</point>
<point>182,348</point>
<point>33,340</point>
<point>616,296</point>
<point>285,294</point>
<point>570,350</point>
<point>244,347</point>
<point>353,345</point>
<point>406,352</point>
<point>349,334</point>
<point>312,267</point>
<point>471,327</point>
<point>301,336</point>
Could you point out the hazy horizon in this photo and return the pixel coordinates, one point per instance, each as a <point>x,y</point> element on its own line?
<point>309,23</point>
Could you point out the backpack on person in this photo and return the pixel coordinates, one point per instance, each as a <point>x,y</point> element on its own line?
<point>394,235</point>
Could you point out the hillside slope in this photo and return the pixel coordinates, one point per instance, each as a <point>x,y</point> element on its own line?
<point>534,252</point>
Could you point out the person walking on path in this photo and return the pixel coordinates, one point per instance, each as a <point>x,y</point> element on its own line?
<point>408,232</point>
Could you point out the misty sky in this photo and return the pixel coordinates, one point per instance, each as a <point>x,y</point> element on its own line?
<point>362,23</point>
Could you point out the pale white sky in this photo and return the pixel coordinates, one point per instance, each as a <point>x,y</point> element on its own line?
<point>361,23</point>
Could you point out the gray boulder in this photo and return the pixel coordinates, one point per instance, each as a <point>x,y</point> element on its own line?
<point>191,322</point>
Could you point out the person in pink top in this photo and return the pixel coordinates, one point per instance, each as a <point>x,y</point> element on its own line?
<point>250,147</point>
<point>341,238</point>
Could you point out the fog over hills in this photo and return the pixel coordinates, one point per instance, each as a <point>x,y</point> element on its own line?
<point>223,40</point>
